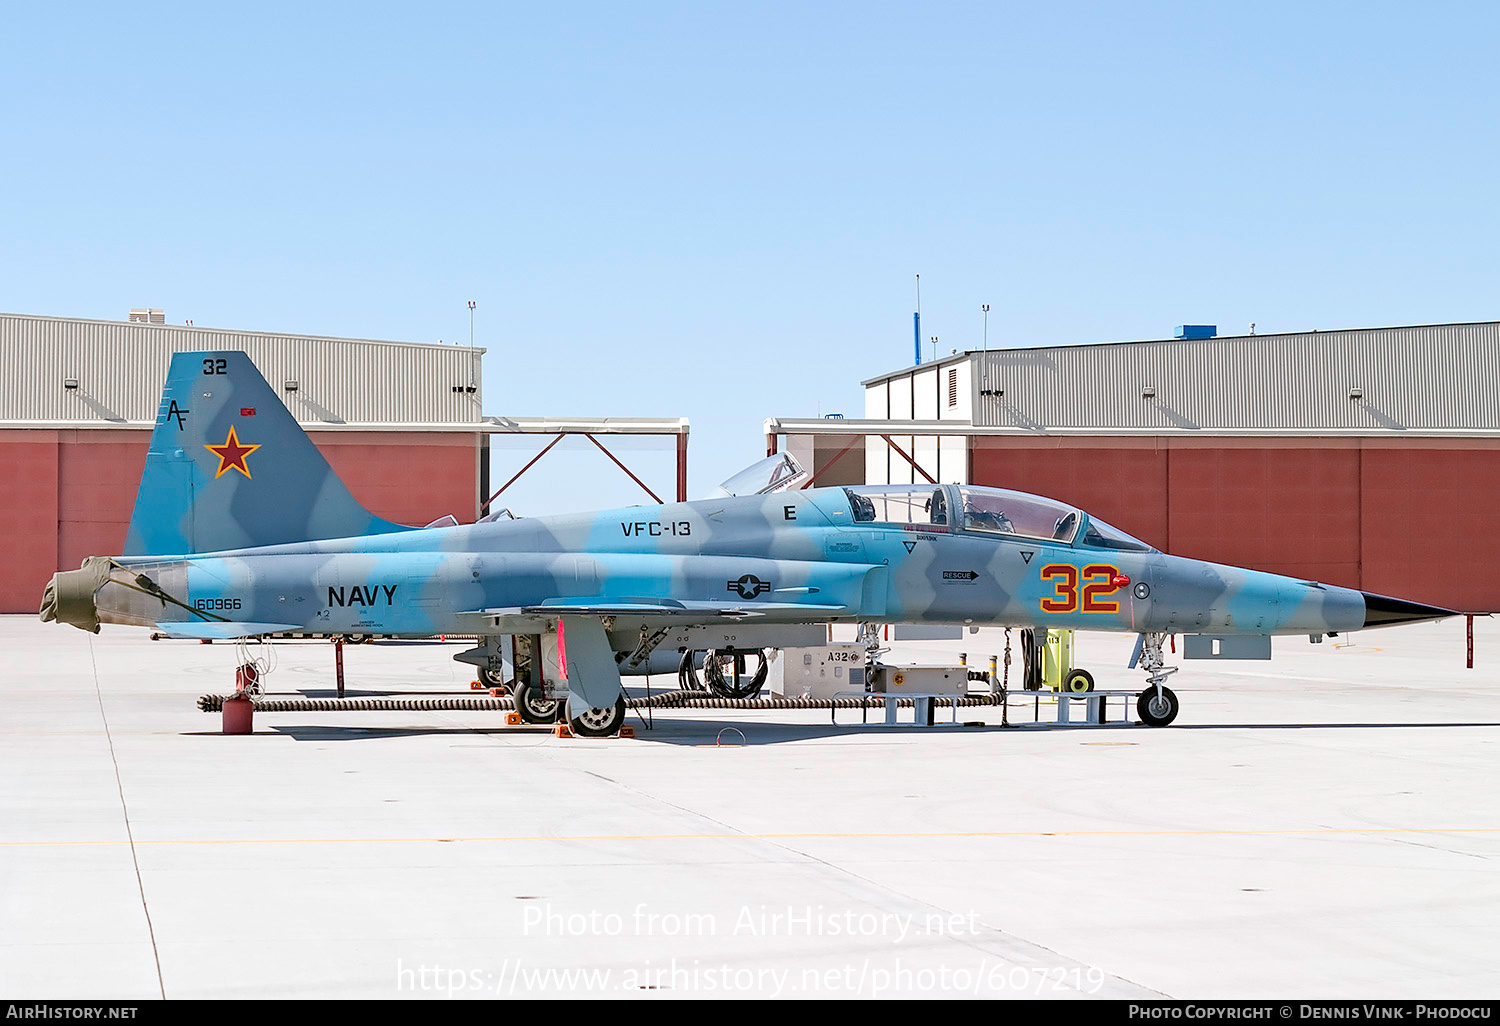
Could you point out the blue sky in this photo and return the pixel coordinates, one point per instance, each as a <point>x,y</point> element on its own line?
<point>716,210</point>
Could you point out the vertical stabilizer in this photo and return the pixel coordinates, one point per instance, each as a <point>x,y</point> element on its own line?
<point>230,467</point>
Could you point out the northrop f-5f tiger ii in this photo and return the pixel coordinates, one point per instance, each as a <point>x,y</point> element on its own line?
<point>241,529</point>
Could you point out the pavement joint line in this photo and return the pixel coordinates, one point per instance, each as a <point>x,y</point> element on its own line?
<point>815,835</point>
<point>129,833</point>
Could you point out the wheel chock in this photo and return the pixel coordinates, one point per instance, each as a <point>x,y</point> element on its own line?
<point>474,685</point>
<point>563,730</point>
<point>513,719</point>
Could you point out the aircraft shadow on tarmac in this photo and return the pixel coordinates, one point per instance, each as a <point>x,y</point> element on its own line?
<point>717,733</point>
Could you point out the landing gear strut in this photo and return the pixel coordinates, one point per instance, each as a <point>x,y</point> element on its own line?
<point>1158,704</point>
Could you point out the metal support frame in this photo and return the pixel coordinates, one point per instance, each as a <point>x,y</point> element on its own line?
<point>829,465</point>
<point>560,432</point>
<point>486,503</point>
<point>923,708</point>
<point>914,465</point>
<point>775,428</point>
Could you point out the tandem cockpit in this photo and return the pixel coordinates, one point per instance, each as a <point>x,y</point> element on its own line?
<point>995,512</point>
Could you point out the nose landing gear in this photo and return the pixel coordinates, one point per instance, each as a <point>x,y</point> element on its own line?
<point>1158,704</point>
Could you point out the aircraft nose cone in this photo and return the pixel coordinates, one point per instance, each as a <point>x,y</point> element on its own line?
<point>1383,611</point>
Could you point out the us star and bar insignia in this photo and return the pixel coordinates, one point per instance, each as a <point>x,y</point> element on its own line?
<point>231,454</point>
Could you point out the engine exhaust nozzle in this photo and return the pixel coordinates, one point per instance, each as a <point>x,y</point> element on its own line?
<point>69,596</point>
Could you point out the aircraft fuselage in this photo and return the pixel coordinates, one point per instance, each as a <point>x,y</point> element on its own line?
<point>786,557</point>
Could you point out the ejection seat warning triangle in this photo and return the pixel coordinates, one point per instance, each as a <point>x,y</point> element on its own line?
<point>909,545</point>
<point>1026,556</point>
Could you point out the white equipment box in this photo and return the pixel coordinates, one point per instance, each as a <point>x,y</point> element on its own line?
<point>918,680</point>
<point>816,672</point>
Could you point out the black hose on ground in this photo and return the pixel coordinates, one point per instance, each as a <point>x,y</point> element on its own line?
<point>1031,661</point>
<point>668,700</point>
<point>723,686</point>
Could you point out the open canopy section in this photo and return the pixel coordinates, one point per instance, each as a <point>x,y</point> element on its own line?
<point>772,474</point>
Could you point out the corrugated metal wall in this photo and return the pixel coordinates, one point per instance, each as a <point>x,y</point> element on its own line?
<point>1431,377</point>
<point>121,366</point>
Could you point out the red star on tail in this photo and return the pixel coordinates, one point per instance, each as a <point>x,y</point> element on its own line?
<point>232,454</point>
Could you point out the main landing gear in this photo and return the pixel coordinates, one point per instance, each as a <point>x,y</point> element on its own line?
<point>535,709</point>
<point>604,722</point>
<point>1158,704</point>
<point>532,706</point>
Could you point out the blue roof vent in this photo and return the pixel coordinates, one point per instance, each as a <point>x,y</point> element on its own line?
<point>1196,331</point>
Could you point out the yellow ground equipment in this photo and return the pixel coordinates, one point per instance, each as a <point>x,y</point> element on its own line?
<point>1058,671</point>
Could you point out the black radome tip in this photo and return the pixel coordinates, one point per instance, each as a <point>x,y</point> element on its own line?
<point>1384,611</point>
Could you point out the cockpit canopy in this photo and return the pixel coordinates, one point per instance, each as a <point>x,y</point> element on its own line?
<point>991,511</point>
<point>772,474</point>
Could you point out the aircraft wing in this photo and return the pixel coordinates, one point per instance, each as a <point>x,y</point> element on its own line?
<point>223,630</point>
<point>657,607</point>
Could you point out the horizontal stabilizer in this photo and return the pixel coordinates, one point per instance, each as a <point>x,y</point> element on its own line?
<point>222,630</point>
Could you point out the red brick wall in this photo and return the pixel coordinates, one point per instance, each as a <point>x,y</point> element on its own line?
<point>65,495</point>
<point>1429,525</point>
<point>1409,518</point>
<point>407,478</point>
<point>28,517</point>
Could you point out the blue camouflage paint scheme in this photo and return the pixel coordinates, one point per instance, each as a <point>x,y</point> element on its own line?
<point>278,543</point>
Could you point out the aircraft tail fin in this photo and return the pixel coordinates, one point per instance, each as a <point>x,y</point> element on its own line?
<point>230,467</point>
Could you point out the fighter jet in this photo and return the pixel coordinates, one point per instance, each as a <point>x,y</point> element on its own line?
<point>241,529</point>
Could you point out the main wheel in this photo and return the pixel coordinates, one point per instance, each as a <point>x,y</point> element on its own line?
<point>1079,682</point>
<point>490,679</point>
<point>598,722</point>
<point>534,708</point>
<point>1157,711</point>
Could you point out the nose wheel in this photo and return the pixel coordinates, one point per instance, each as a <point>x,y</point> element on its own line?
<point>1157,706</point>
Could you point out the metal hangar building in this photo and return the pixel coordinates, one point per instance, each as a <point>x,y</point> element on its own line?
<point>399,422</point>
<point>1368,458</point>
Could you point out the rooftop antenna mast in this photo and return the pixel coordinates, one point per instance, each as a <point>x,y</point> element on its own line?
<point>984,367</point>
<point>916,323</point>
<point>473,382</point>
